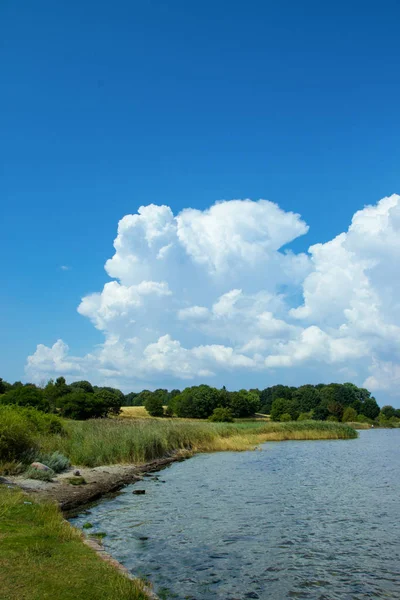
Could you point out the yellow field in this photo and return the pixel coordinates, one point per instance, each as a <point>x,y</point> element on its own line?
<point>135,412</point>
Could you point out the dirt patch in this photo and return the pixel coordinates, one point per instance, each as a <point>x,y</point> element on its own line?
<point>99,481</point>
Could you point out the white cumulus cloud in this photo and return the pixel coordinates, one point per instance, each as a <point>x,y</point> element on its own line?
<point>207,295</point>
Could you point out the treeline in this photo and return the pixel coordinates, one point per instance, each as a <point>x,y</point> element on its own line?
<point>78,400</point>
<point>82,400</point>
<point>333,402</point>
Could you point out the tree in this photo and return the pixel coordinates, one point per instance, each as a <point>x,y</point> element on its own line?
<point>370,408</point>
<point>111,399</point>
<point>268,395</point>
<point>3,386</point>
<point>86,386</point>
<point>307,398</point>
<point>349,414</point>
<point>243,403</point>
<point>320,413</point>
<point>27,395</point>
<point>221,415</point>
<point>282,406</point>
<point>197,402</point>
<point>80,405</point>
<point>154,405</point>
<point>388,411</point>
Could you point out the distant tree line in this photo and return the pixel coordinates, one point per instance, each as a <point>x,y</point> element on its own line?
<point>78,400</point>
<point>82,400</point>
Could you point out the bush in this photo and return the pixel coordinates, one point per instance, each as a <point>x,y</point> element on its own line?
<point>26,395</point>
<point>332,419</point>
<point>56,461</point>
<point>169,412</point>
<point>154,405</point>
<point>304,416</point>
<point>285,417</point>
<point>19,428</point>
<point>349,415</point>
<point>221,415</point>
<point>16,434</point>
<point>33,473</point>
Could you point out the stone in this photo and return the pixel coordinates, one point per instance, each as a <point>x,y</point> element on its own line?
<point>40,466</point>
<point>139,492</point>
<point>77,473</point>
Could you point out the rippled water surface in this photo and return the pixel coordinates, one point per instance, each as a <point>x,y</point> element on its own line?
<point>295,520</point>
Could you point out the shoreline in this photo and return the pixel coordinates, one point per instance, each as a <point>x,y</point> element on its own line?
<point>100,481</point>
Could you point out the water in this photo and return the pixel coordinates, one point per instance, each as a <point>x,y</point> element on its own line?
<point>317,520</point>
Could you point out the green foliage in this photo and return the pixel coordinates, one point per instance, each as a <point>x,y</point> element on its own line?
<point>349,415</point>
<point>55,461</point>
<point>20,429</point>
<point>169,411</point>
<point>221,415</point>
<point>32,473</point>
<point>304,416</point>
<point>197,402</point>
<point>78,480</point>
<point>16,434</point>
<point>154,405</point>
<point>281,406</point>
<point>86,386</point>
<point>111,399</point>
<point>307,397</point>
<point>43,558</point>
<point>81,405</point>
<point>332,419</point>
<point>285,417</point>
<point>387,411</point>
<point>268,395</point>
<point>243,403</point>
<point>320,413</point>
<point>26,395</point>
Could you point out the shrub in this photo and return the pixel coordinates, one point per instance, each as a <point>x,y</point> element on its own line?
<point>169,412</point>
<point>349,415</point>
<point>221,415</point>
<point>33,473</point>
<point>154,405</point>
<point>26,395</point>
<point>304,416</point>
<point>16,434</point>
<point>56,461</point>
<point>332,419</point>
<point>285,417</point>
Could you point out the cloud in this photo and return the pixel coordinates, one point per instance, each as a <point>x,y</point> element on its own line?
<point>208,294</point>
<point>65,268</point>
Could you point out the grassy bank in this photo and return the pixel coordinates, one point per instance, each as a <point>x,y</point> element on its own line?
<point>43,558</point>
<point>111,441</point>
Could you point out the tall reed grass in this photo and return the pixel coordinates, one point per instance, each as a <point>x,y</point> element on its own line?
<point>112,441</point>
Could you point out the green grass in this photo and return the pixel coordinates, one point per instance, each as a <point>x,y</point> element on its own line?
<point>112,441</point>
<point>43,558</point>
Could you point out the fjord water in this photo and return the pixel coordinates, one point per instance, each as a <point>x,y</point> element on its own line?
<point>317,520</point>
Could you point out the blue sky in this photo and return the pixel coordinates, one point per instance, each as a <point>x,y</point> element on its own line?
<point>109,106</point>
